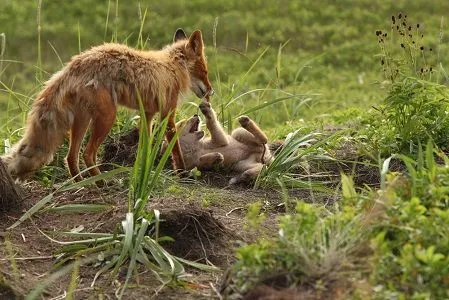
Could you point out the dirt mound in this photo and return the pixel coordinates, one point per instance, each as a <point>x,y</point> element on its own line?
<point>121,149</point>
<point>7,292</point>
<point>198,235</point>
<point>285,287</point>
<point>265,292</point>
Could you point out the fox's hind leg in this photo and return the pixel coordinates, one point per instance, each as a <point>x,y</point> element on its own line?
<point>251,172</point>
<point>77,132</point>
<point>217,134</point>
<point>251,127</point>
<point>244,136</point>
<point>102,121</point>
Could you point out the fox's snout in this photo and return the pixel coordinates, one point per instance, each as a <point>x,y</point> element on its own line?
<point>202,89</point>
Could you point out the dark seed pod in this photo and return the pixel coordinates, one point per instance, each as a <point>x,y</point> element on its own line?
<point>421,48</point>
<point>417,25</point>
<point>393,19</point>
<point>399,15</point>
<point>430,49</point>
<point>402,45</point>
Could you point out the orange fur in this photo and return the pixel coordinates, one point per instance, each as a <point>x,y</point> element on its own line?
<point>89,88</point>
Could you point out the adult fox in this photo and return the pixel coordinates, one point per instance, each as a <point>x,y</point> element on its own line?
<point>88,90</point>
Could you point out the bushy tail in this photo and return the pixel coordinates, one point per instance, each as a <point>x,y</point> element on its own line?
<point>48,121</point>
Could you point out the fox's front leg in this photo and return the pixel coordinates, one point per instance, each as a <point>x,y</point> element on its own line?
<point>217,134</point>
<point>207,161</point>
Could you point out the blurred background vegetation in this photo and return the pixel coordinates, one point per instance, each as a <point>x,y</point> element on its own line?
<point>325,49</point>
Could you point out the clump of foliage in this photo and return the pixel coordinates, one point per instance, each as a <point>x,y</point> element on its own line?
<point>405,224</point>
<point>414,111</point>
<point>411,243</point>
<point>416,107</point>
<point>314,247</point>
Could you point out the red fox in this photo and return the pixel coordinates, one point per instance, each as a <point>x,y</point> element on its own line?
<point>245,151</point>
<point>91,86</point>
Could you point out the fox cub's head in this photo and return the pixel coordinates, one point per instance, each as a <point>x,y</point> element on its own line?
<point>189,132</point>
<point>196,62</point>
<point>189,139</point>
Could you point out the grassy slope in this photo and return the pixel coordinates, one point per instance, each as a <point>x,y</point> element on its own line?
<point>330,51</point>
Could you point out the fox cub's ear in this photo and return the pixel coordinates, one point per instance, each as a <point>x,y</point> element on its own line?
<point>179,35</point>
<point>196,42</point>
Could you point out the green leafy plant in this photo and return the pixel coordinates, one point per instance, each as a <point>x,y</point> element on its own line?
<point>314,245</point>
<point>414,111</point>
<point>416,108</point>
<point>411,244</point>
<point>297,149</point>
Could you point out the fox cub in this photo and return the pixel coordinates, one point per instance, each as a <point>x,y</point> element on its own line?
<point>245,151</point>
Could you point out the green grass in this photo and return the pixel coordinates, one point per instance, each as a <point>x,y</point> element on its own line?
<point>327,50</point>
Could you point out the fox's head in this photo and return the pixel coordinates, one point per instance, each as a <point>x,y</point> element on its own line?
<point>196,63</point>
<point>24,159</point>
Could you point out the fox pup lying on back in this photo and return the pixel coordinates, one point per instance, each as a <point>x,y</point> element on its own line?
<point>245,151</point>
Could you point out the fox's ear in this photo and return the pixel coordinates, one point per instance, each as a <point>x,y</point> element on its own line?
<point>179,35</point>
<point>196,42</point>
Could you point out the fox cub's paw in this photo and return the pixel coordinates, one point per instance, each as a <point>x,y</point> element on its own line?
<point>206,109</point>
<point>218,159</point>
<point>244,121</point>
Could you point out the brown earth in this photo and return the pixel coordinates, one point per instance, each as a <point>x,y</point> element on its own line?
<point>205,234</point>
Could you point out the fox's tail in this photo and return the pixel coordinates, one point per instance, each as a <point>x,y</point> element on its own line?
<point>48,121</point>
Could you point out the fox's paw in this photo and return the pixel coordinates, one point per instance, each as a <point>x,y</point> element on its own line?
<point>206,109</point>
<point>235,180</point>
<point>218,159</point>
<point>244,121</point>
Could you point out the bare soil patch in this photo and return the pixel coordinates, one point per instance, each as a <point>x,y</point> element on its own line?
<point>207,235</point>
